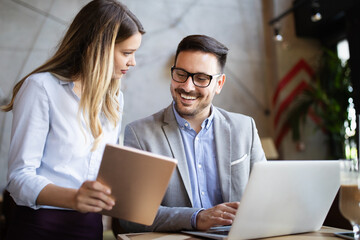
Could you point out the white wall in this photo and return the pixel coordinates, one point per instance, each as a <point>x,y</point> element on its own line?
<point>31,29</point>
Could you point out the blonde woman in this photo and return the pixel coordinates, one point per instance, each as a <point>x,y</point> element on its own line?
<point>64,113</point>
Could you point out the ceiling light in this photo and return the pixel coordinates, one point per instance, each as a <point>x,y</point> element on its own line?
<point>277,35</point>
<point>315,8</point>
<point>316,17</point>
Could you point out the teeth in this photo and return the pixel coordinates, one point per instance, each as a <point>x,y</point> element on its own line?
<point>188,97</point>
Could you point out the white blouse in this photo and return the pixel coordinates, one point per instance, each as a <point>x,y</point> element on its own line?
<point>48,145</point>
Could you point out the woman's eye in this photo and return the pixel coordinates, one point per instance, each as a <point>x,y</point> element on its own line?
<point>127,53</point>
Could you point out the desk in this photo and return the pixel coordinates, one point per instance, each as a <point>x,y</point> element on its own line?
<point>322,234</point>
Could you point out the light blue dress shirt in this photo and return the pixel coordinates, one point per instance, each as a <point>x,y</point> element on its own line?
<point>201,160</point>
<point>48,143</point>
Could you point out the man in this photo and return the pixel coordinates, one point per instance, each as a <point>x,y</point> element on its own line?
<point>215,149</point>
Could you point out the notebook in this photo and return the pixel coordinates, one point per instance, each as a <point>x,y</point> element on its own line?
<point>138,181</point>
<point>282,198</point>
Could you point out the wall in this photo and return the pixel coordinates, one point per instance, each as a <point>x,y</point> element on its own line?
<point>31,29</point>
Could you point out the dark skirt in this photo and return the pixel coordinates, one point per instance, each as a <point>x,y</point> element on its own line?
<point>27,223</point>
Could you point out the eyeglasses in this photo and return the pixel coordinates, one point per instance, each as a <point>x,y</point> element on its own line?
<point>199,79</point>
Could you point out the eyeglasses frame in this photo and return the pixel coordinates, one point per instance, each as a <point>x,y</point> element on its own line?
<point>192,76</point>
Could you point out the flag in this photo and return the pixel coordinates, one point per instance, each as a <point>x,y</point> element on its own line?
<point>295,81</point>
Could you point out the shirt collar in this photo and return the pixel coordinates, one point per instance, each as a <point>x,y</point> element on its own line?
<point>208,121</point>
<point>63,80</point>
<point>185,124</point>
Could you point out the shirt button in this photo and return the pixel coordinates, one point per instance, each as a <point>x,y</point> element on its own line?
<point>199,165</point>
<point>202,193</point>
<point>186,124</point>
<point>197,139</point>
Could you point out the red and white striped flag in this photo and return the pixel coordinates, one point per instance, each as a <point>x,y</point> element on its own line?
<point>295,81</point>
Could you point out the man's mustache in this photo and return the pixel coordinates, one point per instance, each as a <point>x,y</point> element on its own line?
<point>191,93</point>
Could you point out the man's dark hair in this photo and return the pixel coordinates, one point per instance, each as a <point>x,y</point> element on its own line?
<point>206,44</point>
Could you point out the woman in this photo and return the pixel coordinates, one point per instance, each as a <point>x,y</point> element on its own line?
<point>64,113</point>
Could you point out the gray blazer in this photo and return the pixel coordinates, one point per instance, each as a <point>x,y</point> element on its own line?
<point>238,148</point>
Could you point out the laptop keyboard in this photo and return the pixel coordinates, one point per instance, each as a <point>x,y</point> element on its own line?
<point>225,233</point>
<point>222,230</point>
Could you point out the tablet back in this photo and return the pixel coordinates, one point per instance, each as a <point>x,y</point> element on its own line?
<point>138,181</point>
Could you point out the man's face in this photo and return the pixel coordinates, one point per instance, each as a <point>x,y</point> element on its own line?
<point>192,101</point>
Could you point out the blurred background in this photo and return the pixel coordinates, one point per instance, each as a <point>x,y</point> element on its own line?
<point>291,64</point>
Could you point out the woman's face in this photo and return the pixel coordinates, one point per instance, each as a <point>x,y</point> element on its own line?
<point>124,54</point>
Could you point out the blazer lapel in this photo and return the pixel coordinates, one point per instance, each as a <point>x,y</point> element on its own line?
<point>173,135</point>
<point>223,150</point>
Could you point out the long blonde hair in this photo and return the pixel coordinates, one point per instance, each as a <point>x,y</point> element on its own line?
<point>87,53</point>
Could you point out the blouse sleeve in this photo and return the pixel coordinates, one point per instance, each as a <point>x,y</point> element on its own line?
<point>30,128</point>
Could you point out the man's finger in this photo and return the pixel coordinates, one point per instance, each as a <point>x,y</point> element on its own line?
<point>234,205</point>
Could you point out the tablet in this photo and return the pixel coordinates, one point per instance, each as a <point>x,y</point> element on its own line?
<point>138,182</point>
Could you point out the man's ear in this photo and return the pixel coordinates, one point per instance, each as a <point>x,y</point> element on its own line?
<point>220,83</point>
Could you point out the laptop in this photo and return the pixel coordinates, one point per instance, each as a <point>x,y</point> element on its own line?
<point>282,198</point>
<point>138,182</point>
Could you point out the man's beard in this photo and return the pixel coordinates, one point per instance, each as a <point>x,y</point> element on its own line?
<point>185,112</point>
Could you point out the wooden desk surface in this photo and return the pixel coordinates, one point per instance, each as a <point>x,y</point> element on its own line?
<point>324,233</point>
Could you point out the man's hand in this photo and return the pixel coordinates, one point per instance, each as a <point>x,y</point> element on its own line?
<point>222,214</point>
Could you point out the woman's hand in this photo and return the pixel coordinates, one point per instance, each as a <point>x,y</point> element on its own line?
<point>93,196</point>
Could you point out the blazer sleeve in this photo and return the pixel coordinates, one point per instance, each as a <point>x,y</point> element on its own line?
<point>168,219</point>
<point>130,138</point>
<point>257,152</point>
